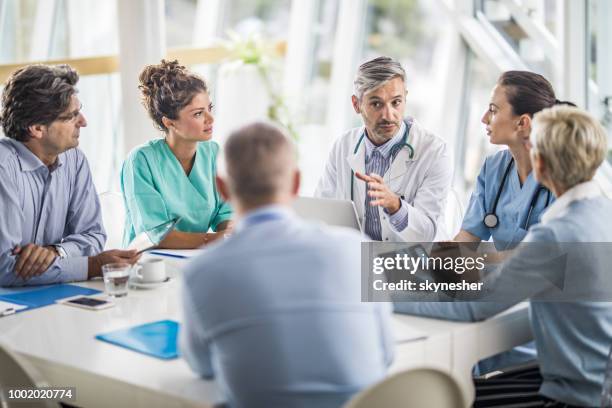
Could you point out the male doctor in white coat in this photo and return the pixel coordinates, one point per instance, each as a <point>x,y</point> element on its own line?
<point>405,169</point>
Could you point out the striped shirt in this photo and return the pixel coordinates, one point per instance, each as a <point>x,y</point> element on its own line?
<point>55,205</point>
<point>378,160</point>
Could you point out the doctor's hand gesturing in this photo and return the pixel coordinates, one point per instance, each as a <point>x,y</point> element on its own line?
<point>382,195</point>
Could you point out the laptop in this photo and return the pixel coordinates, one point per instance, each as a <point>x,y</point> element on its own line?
<point>330,211</point>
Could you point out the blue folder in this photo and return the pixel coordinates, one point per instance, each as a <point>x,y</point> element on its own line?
<point>48,295</point>
<point>157,339</point>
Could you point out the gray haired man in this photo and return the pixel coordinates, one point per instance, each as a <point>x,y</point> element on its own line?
<point>404,169</point>
<point>50,224</point>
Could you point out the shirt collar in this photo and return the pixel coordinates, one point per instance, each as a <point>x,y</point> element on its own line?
<point>385,149</point>
<point>28,161</point>
<point>582,191</point>
<point>263,214</point>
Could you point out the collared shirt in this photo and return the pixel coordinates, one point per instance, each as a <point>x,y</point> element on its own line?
<point>378,160</point>
<point>156,189</point>
<point>269,311</point>
<point>55,205</point>
<point>582,191</point>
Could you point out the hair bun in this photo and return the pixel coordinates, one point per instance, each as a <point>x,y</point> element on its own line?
<point>154,77</point>
<point>568,103</point>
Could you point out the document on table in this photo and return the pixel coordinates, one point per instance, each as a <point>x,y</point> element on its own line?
<point>7,308</point>
<point>176,253</point>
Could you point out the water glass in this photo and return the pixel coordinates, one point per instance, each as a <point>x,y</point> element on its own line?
<point>116,276</point>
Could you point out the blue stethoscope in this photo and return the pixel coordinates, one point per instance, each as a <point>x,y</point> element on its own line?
<point>394,150</point>
<point>491,220</point>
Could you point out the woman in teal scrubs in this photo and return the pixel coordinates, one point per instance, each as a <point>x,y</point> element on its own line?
<point>507,199</point>
<point>175,176</point>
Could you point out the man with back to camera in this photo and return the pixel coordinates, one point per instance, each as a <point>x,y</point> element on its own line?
<point>407,169</point>
<point>50,222</point>
<point>274,311</point>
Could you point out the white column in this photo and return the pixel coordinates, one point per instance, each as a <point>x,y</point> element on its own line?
<point>300,58</point>
<point>42,30</point>
<point>209,14</point>
<point>8,33</point>
<point>574,52</point>
<point>349,38</point>
<point>142,41</point>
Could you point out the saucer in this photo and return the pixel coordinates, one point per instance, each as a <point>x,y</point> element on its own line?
<point>137,283</point>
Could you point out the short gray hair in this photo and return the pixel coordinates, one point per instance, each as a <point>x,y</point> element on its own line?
<point>571,142</point>
<point>259,163</point>
<point>374,73</point>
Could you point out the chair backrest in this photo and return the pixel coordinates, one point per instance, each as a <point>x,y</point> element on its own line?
<point>421,387</point>
<point>113,217</point>
<point>17,373</point>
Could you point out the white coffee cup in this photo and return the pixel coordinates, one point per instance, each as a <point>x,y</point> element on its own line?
<point>151,270</point>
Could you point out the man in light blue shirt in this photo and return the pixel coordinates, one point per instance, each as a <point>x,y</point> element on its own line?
<point>274,312</point>
<point>50,222</point>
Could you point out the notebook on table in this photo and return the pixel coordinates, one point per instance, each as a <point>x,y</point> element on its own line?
<point>34,297</point>
<point>156,339</point>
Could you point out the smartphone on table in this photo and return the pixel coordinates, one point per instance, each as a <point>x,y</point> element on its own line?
<point>87,302</point>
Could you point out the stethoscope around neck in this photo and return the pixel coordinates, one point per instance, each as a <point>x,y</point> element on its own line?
<point>491,220</point>
<point>394,150</point>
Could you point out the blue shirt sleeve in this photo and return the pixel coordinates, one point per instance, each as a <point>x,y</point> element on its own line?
<point>84,227</point>
<point>11,228</point>
<point>476,209</point>
<point>519,278</point>
<point>399,219</point>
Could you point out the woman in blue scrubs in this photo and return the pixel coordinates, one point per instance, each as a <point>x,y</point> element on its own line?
<point>174,176</point>
<point>507,199</point>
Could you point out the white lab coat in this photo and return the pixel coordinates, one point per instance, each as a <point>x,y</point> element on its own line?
<point>424,182</point>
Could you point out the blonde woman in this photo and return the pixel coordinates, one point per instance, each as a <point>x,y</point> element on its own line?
<point>572,336</point>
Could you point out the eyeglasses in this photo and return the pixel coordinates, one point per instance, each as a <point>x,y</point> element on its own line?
<point>72,116</point>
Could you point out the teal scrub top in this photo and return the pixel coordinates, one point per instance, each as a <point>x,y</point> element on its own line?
<point>156,189</point>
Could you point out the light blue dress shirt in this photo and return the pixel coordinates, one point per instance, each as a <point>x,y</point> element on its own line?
<point>513,206</point>
<point>274,313</point>
<point>378,160</point>
<point>572,338</point>
<point>47,206</point>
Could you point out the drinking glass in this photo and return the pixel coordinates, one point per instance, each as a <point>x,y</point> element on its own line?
<point>116,276</point>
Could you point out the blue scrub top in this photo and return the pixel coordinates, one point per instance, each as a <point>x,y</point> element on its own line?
<point>512,207</point>
<point>156,189</point>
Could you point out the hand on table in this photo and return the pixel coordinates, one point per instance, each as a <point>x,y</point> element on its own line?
<point>33,260</point>
<point>95,263</point>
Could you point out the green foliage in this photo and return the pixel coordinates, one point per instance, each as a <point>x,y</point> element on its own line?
<point>254,51</point>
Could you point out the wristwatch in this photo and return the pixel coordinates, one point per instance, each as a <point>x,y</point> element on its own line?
<point>61,252</point>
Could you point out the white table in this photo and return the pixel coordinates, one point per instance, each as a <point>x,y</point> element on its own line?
<point>59,341</point>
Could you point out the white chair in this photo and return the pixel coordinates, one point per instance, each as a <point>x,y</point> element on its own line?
<point>418,388</point>
<point>17,373</point>
<point>113,217</point>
